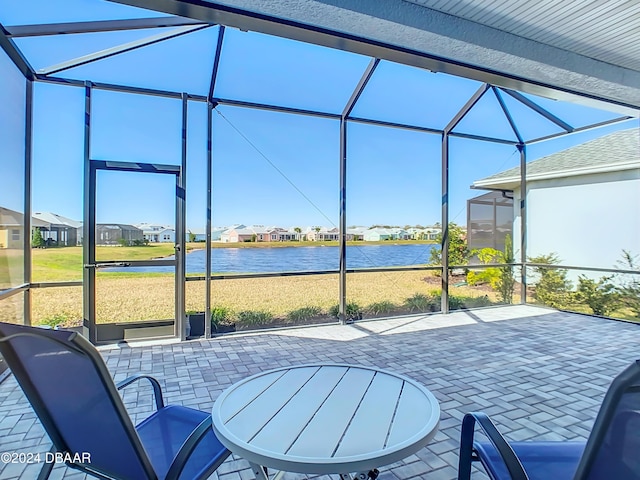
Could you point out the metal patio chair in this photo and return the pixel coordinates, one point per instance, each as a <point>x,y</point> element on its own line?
<point>610,453</point>
<point>71,391</point>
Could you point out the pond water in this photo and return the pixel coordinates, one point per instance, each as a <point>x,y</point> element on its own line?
<point>289,259</point>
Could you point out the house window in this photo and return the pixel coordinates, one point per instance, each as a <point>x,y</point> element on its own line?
<point>15,234</point>
<point>167,237</point>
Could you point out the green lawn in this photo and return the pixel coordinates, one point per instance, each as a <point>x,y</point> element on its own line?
<point>65,263</point>
<point>11,268</point>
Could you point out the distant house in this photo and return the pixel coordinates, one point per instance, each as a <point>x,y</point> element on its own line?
<point>260,233</point>
<point>431,233</point>
<point>57,230</point>
<point>377,234</point>
<point>116,233</point>
<point>266,234</point>
<point>295,235</point>
<point>583,203</point>
<point>12,228</point>
<point>157,233</point>
<point>355,234</point>
<point>253,233</point>
<point>423,233</point>
<point>285,235</point>
<point>234,235</point>
<point>216,234</point>
<point>399,234</point>
<point>414,233</point>
<point>322,234</point>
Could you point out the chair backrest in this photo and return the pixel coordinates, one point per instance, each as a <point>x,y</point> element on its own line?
<point>612,448</point>
<point>70,389</point>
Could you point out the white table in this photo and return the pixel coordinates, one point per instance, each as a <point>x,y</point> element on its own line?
<point>325,419</point>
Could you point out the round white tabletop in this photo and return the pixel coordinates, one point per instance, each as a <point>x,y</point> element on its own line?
<point>325,419</point>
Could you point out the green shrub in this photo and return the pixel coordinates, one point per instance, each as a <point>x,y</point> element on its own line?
<point>221,316</point>
<point>36,239</point>
<point>506,279</point>
<point>255,317</point>
<point>600,295</point>
<point>304,313</point>
<point>501,279</point>
<point>457,302</point>
<point>552,287</point>
<point>458,248</point>
<point>420,302</point>
<point>629,284</point>
<point>380,308</point>
<point>489,275</point>
<point>58,319</point>
<point>354,312</point>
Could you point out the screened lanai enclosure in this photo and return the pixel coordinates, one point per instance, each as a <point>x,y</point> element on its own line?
<point>216,178</point>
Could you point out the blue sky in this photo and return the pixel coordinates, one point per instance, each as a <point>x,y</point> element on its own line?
<point>269,168</point>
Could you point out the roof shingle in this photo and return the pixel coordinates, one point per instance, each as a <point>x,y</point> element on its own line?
<point>616,151</point>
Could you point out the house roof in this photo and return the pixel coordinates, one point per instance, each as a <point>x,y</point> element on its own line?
<point>153,226</point>
<point>115,226</point>
<point>157,232</point>
<point>55,219</point>
<point>611,153</point>
<point>11,218</point>
<point>241,231</point>
<point>379,230</point>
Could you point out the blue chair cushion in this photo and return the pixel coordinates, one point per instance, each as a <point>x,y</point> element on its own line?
<point>163,433</point>
<point>541,460</point>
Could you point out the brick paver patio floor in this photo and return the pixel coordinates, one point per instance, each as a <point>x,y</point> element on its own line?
<point>540,374</point>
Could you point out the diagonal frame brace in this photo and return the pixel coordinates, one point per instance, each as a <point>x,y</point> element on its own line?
<point>507,114</point>
<point>126,47</point>
<point>357,92</point>
<point>39,30</point>
<point>539,110</point>
<point>216,64</point>
<point>466,108</point>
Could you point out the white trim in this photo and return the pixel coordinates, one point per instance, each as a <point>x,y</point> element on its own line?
<point>567,172</point>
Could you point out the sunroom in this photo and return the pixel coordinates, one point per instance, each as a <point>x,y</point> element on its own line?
<point>120,116</point>
<point>319,166</point>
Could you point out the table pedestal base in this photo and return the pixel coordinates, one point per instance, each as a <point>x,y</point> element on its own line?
<point>262,473</point>
<point>370,475</point>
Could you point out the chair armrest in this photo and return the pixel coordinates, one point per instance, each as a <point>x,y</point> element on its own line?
<point>179,461</point>
<point>619,427</point>
<point>510,459</point>
<point>157,391</point>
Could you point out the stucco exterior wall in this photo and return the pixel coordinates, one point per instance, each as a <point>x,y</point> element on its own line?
<point>586,220</point>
